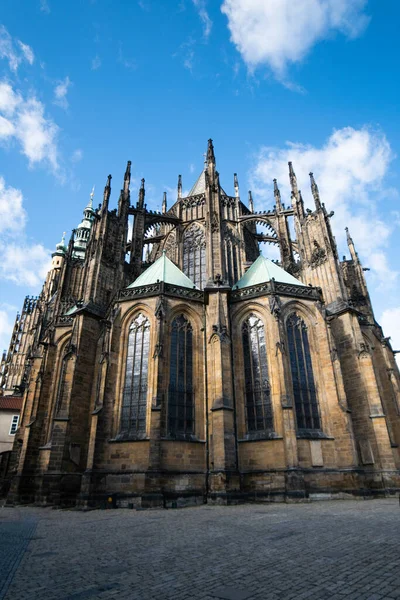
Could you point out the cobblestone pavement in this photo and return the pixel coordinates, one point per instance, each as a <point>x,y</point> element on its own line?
<point>323,550</point>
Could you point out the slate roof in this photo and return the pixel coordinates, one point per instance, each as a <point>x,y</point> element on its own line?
<point>263,270</point>
<point>163,269</point>
<point>200,186</point>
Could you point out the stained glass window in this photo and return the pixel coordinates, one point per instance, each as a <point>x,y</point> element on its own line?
<point>180,389</point>
<point>194,255</point>
<point>257,387</point>
<point>305,397</point>
<point>134,399</point>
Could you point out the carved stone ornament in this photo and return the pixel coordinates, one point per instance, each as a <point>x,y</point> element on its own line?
<point>318,256</point>
<point>275,306</point>
<point>220,333</point>
<point>214,222</point>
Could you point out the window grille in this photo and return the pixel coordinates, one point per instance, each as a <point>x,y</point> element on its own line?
<point>134,399</point>
<point>14,424</point>
<point>194,255</point>
<point>180,390</point>
<point>305,397</point>
<point>257,388</point>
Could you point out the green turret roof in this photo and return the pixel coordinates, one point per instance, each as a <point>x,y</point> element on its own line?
<point>163,269</point>
<point>263,270</point>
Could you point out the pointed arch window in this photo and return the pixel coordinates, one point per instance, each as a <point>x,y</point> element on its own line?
<point>304,392</point>
<point>180,389</point>
<point>257,388</point>
<point>194,255</point>
<point>134,399</point>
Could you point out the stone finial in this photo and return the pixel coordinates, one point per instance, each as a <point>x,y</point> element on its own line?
<point>315,192</point>
<point>179,186</point>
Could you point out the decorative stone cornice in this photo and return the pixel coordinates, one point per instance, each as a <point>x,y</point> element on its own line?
<point>274,287</point>
<point>155,289</point>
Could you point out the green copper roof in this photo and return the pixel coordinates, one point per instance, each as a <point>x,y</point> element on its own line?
<point>263,270</point>
<point>163,270</point>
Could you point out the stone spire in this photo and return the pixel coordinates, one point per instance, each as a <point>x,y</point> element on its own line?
<point>107,193</point>
<point>210,153</point>
<point>293,180</point>
<point>179,186</point>
<point>251,205</point>
<point>351,246</point>
<point>127,177</point>
<point>236,185</point>
<point>315,192</point>
<point>164,203</point>
<point>277,196</point>
<point>140,203</point>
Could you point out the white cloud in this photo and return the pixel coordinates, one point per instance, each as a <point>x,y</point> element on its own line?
<point>20,262</point>
<point>6,327</point>
<point>349,169</point>
<point>60,93</point>
<point>390,322</point>
<point>25,264</point>
<point>77,155</point>
<point>12,213</point>
<point>96,63</point>
<point>14,53</point>
<point>275,33</point>
<point>24,121</point>
<point>9,100</point>
<point>204,17</point>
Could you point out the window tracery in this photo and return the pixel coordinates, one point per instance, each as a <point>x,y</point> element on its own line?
<point>305,397</point>
<point>134,399</point>
<point>257,388</point>
<point>194,255</point>
<point>180,389</point>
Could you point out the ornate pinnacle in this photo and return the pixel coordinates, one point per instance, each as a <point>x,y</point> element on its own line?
<point>236,185</point>
<point>179,186</point>
<point>251,205</point>
<point>164,203</point>
<point>210,152</point>
<point>315,192</point>
<point>277,195</point>
<point>141,194</point>
<point>293,179</point>
<point>127,176</point>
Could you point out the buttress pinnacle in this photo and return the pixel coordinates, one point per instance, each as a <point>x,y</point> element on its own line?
<point>210,153</point>
<point>315,191</point>
<point>277,196</point>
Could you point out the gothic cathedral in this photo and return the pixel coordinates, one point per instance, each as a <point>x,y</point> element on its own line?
<point>179,365</point>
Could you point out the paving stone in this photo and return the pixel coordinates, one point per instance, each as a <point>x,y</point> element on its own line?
<point>319,551</point>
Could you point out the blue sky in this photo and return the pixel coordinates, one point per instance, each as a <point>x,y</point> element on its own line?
<point>86,85</point>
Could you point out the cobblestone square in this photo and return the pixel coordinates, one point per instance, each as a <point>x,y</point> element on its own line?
<point>322,550</point>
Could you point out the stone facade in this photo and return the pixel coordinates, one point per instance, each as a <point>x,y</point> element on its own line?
<point>278,390</point>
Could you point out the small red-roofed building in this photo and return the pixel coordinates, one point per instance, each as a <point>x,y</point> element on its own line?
<point>10,408</point>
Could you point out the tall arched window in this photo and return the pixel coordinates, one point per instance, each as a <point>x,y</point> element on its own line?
<point>180,389</point>
<point>257,388</point>
<point>194,255</point>
<point>305,397</point>
<point>134,399</point>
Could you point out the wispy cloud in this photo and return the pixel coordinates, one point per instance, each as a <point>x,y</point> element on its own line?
<point>23,121</point>
<point>128,63</point>
<point>350,170</point>
<point>14,51</point>
<point>276,33</point>
<point>44,6</point>
<point>77,155</point>
<point>200,6</point>
<point>96,63</point>
<point>20,262</point>
<point>61,91</point>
